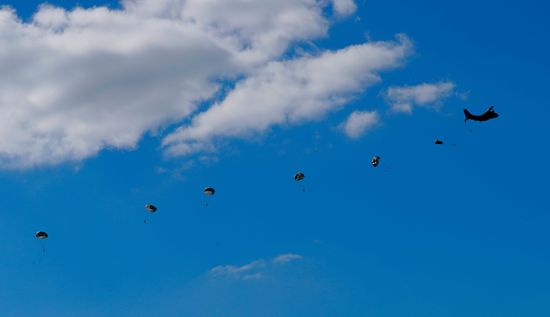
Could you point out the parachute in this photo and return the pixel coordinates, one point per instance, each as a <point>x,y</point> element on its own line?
<point>41,235</point>
<point>375,161</point>
<point>298,177</point>
<point>438,142</point>
<point>150,208</point>
<point>209,191</point>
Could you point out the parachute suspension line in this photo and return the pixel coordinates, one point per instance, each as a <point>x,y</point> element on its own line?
<point>208,191</point>
<point>151,209</point>
<point>298,177</point>
<point>41,235</point>
<point>375,161</point>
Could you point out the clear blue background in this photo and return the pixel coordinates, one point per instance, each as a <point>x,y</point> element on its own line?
<point>447,231</point>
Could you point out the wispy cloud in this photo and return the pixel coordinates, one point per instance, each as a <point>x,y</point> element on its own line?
<point>404,98</point>
<point>285,258</point>
<point>253,270</point>
<point>232,270</point>
<point>360,122</point>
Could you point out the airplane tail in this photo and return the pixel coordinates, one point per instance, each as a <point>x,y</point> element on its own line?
<point>467,115</point>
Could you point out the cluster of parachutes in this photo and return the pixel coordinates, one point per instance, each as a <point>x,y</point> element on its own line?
<point>299,176</point>
<point>208,191</point>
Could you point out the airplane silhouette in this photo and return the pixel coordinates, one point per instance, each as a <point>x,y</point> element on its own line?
<point>488,115</point>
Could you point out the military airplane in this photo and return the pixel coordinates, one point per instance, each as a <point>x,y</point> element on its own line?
<point>488,115</point>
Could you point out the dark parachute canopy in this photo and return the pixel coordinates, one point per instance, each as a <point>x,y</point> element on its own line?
<point>41,235</point>
<point>375,161</point>
<point>209,191</point>
<point>299,176</point>
<point>438,142</point>
<point>150,208</point>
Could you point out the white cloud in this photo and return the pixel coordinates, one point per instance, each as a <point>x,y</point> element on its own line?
<point>288,92</point>
<point>253,270</point>
<point>344,7</point>
<point>359,122</point>
<point>403,99</point>
<point>236,271</point>
<point>74,82</point>
<point>285,258</point>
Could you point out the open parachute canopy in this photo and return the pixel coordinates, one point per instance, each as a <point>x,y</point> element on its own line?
<point>41,235</point>
<point>209,191</point>
<point>438,142</point>
<point>150,208</point>
<point>299,176</point>
<point>375,161</point>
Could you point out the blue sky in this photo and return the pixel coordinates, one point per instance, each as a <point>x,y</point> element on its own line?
<point>447,231</point>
